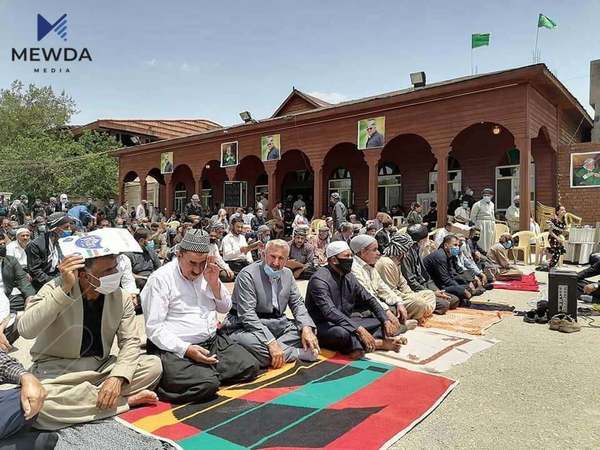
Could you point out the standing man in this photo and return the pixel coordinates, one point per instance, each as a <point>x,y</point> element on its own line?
<point>512,215</point>
<point>482,215</point>
<point>262,293</point>
<point>111,211</point>
<point>180,302</point>
<point>277,217</point>
<point>141,212</point>
<point>339,211</point>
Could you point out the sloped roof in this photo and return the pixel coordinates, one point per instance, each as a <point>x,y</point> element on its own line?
<point>161,129</point>
<point>310,100</point>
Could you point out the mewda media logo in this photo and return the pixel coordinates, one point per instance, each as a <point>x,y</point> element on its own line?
<point>44,27</point>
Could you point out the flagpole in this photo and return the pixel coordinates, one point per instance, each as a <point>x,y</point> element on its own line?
<point>471,59</point>
<point>535,52</point>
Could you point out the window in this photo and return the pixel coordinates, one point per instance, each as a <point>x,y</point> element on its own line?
<point>389,185</point>
<point>507,185</point>
<point>341,182</point>
<point>180,197</point>
<point>454,179</point>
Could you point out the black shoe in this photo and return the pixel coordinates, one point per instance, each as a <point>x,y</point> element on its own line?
<point>530,316</point>
<point>489,286</point>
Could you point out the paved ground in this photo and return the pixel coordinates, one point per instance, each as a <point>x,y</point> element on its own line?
<point>536,388</point>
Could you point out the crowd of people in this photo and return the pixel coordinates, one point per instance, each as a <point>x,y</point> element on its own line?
<point>368,283</point>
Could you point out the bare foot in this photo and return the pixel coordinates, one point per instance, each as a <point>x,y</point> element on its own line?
<point>393,344</point>
<point>145,397</point>
<point>411,324</point>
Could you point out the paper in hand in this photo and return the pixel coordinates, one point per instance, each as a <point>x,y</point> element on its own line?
<point>107,241</point>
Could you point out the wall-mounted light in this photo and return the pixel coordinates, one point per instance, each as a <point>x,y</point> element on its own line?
<point>246,117</point>
<point>496,130</point>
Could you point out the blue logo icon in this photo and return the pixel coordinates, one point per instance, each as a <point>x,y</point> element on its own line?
<point>44,27</point>
<point>89,242</point>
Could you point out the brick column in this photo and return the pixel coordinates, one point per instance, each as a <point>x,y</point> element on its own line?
<point>198,185</point>
<point>121,191</point>
<point>524,146</point>
<point>318,193</point>
<point>372,157</point>
<point>168,194</point>
<point>270,168</point>
<point>143,188</point>
<point>442,187</point>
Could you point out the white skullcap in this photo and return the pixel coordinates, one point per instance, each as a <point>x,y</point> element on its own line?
<point>22,230</point>
<point>361,241</point>
<point>335,248</point>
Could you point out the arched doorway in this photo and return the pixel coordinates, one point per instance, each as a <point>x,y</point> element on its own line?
<point>340,181</point>
<point>295,177</point>
<point>184,185</point>
<point>155,189</point>
<point>346,172</point>
<point>213,176</point>
<point>252,171</point>
<point>389,186</point>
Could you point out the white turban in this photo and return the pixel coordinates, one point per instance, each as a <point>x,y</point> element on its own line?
<point>335,248</point>
<point>361,241</point>
<point>21,230</point>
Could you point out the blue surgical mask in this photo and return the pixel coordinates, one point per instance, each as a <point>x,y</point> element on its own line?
<point>272,273</point>
<point>507,244</point>
<point>150,245</point>
<point>455,251</point>
<point>65,233</point>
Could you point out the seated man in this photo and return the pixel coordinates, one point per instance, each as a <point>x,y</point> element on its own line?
<point>180,302</point>
<point>43,252</point>
<point>419,305</point>
<point>469,270</point>
<point>498,254</point>
<point>384,234</point>
<point>366,254</point>
<point>302,256</point>
<point>320,241</point>
<point>236,251</point>
<point>344,233</point>
<point>588,287</point>
<point>75,319</point>
<point>225,272</point>
<point>332,295</point>
<point>16,248</point>
<point>143,264</point>
<point>416,275</point>
<point>478,254</point>
<point>262,293</point>
<point>441,233</point>
<point>441,266</point>
<point>21,404</point>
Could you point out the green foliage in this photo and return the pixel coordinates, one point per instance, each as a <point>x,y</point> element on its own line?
<point>40,157</point>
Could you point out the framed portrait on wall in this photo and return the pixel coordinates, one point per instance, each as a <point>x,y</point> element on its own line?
<point>371,133</point>
<point>585,170</point>
<point>166,162</point>
<point>270,147</point>
<point>229,154</point>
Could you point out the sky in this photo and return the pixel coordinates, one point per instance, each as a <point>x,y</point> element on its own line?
<point>212,59</point>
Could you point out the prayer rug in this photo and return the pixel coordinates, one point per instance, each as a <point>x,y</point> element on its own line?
<point>333,403</point>
<point>526,283</point>
<point>432,350</point>
<point>466,320</point>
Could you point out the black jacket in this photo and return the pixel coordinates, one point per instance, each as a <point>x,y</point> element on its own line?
<point>257,222</point>
<point>38,265</point>
<point>414,271</point>
<point>591,271</point>
<point>144,263</point>
<point>383,240</point>
<point>193,210</point>
<point>441,268</point>
<point>13,276</point>
<point>331,299</point>
<point>110,212</point>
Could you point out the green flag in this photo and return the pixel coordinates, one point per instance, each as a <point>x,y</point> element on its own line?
<point>545,22</point>
<point>480,39</point>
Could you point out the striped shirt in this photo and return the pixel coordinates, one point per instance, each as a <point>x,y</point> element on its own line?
<point>10,369</point>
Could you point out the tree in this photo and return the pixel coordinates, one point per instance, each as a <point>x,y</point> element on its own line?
<point>40,156</point>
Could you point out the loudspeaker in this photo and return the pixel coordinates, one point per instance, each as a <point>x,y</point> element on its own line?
<point>562,293</point>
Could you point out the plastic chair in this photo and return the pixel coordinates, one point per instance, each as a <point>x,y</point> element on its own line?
<point>402,230</point>
<point>541,244</point>
<point>500,230</point>
<point>524,245</point>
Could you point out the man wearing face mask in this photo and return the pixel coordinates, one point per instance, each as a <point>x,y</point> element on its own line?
<point>482,215</point>
<point>262,293</point>
<point>43,253</point>
<point>441,265</point>
<point>512,215</point>
<point>143,264</point>
<point>462,214</point>
<point>74,320</point>
<point>111,211</point>
<point>180,302</point>
<point>332,295</point>
<point>258,220</point>
<point>499,255</point>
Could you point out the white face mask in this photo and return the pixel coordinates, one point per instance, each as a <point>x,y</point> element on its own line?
<point>108,284</point>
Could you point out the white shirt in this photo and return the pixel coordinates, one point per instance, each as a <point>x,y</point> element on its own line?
<point>140,212</point>
<point>127,278</point>
<point>4,301</point>
<point>213,250</point>
<point>179,312</point>
<point>14,249</point>
<point>231,248</point>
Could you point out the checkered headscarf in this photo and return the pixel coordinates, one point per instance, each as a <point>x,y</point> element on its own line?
<point>399,244</point>
<point>195,240</point>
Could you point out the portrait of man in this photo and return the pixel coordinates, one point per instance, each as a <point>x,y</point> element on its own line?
<point>585,169</point>
<point>229,154</point>
<point>166,162</point>
<point>270,147</point>
<point>371,133</point>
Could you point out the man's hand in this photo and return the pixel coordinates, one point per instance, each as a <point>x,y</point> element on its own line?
<point>33,395</point>
<point>68,271</point>
<point>484,279</point>
<point>109,393</point>
<point>590,288</point>
<point>367,338</point>
<point>4,344</point>
<point>200,355</point>
<point>276,353</point>
<point>392,323</point>
<point>309,340</point>
<point>211,275</point>
<point>134,299</point>
<point>442,294</point>
<point>402,313</point>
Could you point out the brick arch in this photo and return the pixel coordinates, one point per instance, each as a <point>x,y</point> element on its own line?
<point>249,170</point>
<point>346,155</point>
<point>213,176</point>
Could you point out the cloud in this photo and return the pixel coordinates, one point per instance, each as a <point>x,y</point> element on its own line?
<point>187,67</point>
<point>329,97</point>
<point>151,62</point>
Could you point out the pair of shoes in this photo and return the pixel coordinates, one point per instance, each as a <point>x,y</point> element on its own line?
<point>534,316</point>
<point>564,323</point>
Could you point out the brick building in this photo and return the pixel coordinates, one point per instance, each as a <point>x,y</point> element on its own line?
<point>510,130</point>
